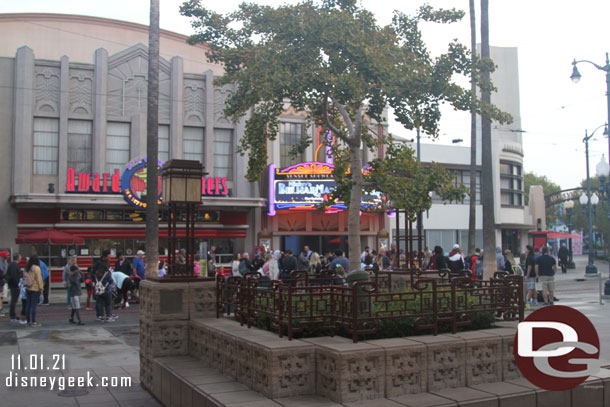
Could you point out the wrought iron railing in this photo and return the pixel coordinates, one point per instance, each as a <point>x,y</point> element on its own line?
<point>430,299</point>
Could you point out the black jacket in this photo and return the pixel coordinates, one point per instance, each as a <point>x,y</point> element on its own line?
<point>13,274</point>
<point>125,268</point>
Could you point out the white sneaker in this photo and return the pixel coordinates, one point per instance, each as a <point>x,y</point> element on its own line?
<point>127,304</point>
<point>23,322</point>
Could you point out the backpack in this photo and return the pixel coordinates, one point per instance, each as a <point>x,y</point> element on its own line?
<point>432,264</point>
<point>28,282</point>
<point>99,287</point>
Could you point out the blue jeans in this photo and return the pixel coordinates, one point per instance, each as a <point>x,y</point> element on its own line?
<point>32,299</point>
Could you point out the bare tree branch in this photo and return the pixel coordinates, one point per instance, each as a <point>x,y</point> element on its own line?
<point>332,127</point>
<point>344,115</point>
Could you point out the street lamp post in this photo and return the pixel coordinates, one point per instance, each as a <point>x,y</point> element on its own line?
<point>606,68</point>
<point>569,207</point>
<point>590,270</point>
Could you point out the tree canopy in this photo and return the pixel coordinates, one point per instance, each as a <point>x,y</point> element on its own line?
<point>332,60</point>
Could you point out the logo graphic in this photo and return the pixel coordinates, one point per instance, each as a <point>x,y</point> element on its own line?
<point>133,182</point>
<point>557,348</point>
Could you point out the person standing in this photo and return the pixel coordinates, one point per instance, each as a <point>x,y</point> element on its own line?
<point>456,260</point>
<point>103,295</point>
<point>212,262</point>
<point>139,271</point>
<point>13,275</point>
<point>500,261</point>
<point>339,259</point>
<point>289,264</point>
<point>303,259</point>
<point>235,265</point>
<point>530,276</point>
<point>563,254</point>
<point>3,267</point>
<point>75,279</point>
<point>244,265</point>
<point>546,267</point>
<point>44,270</point>
<point>122,264</point>
<point>64,278</point>
<point>34,286</point>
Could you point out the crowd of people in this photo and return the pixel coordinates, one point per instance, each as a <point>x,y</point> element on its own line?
<point>112,286</point>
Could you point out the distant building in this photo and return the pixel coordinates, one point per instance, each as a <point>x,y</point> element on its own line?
<point>447,223</point>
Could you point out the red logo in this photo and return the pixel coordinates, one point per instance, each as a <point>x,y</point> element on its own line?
<point>557,348</point>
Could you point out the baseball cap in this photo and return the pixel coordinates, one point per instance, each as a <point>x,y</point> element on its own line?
<point>456,246</point>
<point>140,252</point>
<point>3,254</point>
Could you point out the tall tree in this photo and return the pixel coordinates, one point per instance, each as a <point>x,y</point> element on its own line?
<point>152,144</point>
<point>487,189</point>
<point>472,207</point>
<point>331,60</point>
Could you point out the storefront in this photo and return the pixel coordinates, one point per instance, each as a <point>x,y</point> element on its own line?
<point>295,220</point>
<point>108,212</point>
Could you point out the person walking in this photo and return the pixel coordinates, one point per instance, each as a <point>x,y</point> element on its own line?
<point>500,260</point>
<point>530,276</point>
<point>274,266</point>
<point>75,279</point>
<point>546,267</point>
<point>34,287</point>
<point>13,275</point>
<point>64,278</point>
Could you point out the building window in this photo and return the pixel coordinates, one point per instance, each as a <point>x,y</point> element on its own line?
<point>462,177</point>
<point>46,146</point>
<point>511,184</point>
<point>192,144</point>
<point>290,136</point>
<point>163,142</point>
<point>79,145</point>
<point>223,153</point>
<point>117,146</point>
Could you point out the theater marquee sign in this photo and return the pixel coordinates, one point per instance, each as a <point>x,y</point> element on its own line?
<point>132,183</point>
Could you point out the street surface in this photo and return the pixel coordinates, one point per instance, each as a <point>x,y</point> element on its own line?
<point>111,349</point>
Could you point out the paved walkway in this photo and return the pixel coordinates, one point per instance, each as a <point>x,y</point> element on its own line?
<point>98,352</point>
<point>111,349</point>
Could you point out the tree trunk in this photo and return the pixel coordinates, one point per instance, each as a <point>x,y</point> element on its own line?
<point>353,219</point>
<point>152,145</point>
<point>487,187</point>
<point>472,209</point>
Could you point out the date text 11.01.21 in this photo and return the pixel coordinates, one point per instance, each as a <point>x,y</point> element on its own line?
<point>38,362</point>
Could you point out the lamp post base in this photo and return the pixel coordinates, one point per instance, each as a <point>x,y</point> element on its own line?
<point>591,270</point>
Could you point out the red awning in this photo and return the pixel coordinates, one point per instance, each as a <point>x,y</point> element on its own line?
<point>559,235</point>
<point>50,236</point>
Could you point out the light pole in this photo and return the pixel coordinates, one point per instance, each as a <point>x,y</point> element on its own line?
<point>590,270</point>
<point>606,68</point>
<point>569,207</point>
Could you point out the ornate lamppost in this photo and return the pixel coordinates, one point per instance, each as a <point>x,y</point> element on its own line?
<point>181,180</point>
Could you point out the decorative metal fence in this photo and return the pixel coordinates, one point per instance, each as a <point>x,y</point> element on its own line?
<point>428,298</point>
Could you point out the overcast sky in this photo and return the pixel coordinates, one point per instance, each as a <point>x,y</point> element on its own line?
<point>549,35</point>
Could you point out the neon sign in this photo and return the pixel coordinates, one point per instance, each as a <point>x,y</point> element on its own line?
<point>132,183</point>
<point>304,186</point>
